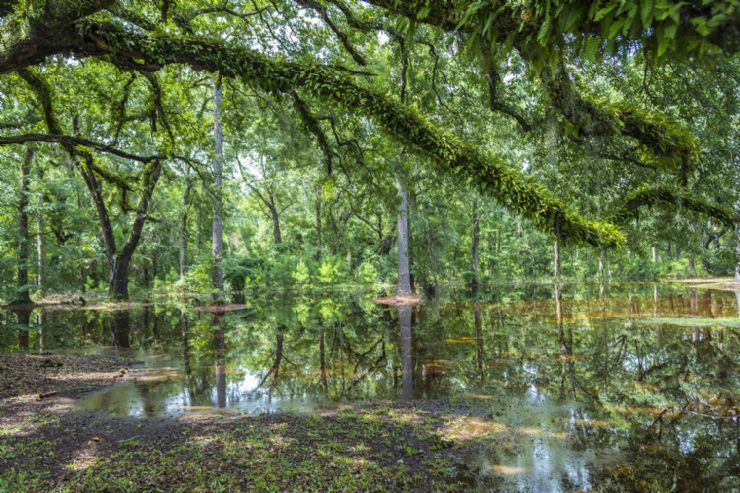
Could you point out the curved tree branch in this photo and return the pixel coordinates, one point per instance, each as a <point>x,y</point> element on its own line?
<point>650,195</point>
<point>69,140</point>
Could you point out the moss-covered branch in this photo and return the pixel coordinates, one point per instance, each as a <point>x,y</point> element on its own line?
<point>39,28</point>
<point>492,176</point>
<point>650,195</point>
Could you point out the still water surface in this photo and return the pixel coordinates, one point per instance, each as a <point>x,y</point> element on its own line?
<point>575,381</point>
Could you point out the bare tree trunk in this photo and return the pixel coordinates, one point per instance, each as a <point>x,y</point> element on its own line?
<point>654,254</point>
<point>40,246</point>
<point>23,289</point>
<point>557,257</point>
<point>475,242</point>
<point>217,230</point>
<point>404,273</point>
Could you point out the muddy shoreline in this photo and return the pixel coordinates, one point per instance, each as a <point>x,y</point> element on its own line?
<point>48,444</point>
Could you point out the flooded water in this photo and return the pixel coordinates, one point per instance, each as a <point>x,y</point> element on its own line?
<point>581,386</point>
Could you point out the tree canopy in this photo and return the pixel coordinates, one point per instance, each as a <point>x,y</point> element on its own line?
<point>572,115</point>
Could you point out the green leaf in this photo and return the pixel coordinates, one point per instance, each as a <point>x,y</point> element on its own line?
<point>600,14</point>
<point>646,13</point>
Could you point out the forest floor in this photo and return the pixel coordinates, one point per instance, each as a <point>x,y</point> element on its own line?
<point>46,444</point>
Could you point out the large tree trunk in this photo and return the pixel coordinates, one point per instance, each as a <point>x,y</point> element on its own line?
<point>106,228</point>
<point>404,273</point>
<point>217,230</point>
<point>118,286</point>
<point>475,242</point>
<point>23,289</point>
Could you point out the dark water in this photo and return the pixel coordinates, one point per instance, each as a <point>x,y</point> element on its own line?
<point>602,386</point>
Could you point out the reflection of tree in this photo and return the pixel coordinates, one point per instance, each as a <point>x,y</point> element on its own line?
<point>566,346</point>
<point>322,356</point>
<point>480,351</point>
<point>404,320</point>
<point>121,329</point>
<point>23,315</point>
<point>219,346</point>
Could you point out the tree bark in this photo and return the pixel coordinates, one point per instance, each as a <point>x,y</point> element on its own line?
<point>23,290</point>
<point>275,216</point>
<point>557,257</point>
<point>217,229</point>
<point>404,273</point>
<point>40,244</point>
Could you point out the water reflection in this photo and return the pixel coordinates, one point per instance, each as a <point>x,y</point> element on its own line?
<point>404,321</point>
<point>581,387</point>
<point>219,346</point>
<point>121,328</point>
